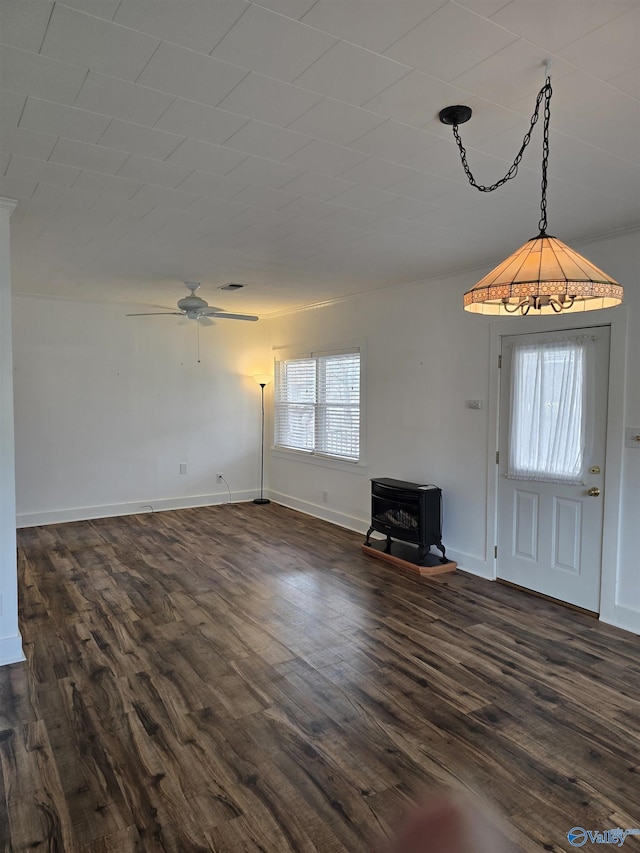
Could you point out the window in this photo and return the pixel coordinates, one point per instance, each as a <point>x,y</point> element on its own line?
<point>317,404</point>
<point>548,408</point>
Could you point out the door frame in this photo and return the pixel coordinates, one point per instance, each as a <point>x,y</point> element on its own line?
<point>614,442</point>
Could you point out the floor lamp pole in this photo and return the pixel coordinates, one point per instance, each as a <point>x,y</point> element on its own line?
<point>261,499</point>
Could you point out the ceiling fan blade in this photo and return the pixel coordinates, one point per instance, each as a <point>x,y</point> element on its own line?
<point>224,315</point>
<point>157,314</point>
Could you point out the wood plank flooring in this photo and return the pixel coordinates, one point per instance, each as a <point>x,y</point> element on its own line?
<point>244,678</point>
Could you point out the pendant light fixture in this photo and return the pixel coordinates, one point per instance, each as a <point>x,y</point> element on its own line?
<point>544,276</point>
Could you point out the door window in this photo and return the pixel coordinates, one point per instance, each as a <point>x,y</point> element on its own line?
<point>548,411</point>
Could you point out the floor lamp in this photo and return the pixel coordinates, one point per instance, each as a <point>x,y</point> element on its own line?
<point>262,379</point>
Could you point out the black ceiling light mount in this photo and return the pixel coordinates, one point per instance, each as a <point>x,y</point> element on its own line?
<point>457,114</point>
<point>544,275</point>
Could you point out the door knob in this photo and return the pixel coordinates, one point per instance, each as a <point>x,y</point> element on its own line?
<point>593,492</point>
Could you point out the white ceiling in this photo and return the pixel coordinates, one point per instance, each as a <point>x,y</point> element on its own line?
<point>294,145</point>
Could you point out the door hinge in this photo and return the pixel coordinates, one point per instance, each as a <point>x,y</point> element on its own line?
<point>497,457</point>
<point>495,552</point>
<point>499,362</point>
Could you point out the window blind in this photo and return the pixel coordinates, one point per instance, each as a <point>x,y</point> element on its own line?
<point>317,404</point>
<point>295,397</point>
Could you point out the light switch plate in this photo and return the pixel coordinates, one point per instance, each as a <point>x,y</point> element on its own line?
<point>632,437</point>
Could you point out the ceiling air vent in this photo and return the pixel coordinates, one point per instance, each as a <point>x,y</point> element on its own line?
<point>231,286</point>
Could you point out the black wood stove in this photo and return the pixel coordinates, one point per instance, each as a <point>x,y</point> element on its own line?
<point>407,511</point>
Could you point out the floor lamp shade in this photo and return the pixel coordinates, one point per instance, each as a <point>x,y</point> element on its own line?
<point>262,379</point>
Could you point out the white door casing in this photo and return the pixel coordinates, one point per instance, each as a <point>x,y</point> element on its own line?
<point>549,535</point>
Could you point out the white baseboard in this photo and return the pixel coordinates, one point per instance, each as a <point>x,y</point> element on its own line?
<point>473,565</point>
<point>60,516</point>
<point>626,618</point>
<point>325,513</point>
<point>11,650</point>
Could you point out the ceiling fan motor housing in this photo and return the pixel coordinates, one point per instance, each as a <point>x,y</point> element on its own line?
<point>192,303</point>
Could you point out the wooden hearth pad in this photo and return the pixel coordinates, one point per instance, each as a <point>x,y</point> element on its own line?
<point>405,556</point>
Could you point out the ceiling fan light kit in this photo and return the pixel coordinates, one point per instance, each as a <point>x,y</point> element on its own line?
<point>544,275</point>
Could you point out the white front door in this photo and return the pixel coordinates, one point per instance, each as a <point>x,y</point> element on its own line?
<point>553,416</point>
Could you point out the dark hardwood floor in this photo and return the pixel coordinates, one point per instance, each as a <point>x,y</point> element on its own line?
<point>243,678</point>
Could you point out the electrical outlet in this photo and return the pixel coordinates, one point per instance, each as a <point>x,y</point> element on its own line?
<point>220,477</point>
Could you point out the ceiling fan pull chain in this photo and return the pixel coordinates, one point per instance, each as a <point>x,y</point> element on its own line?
<point>198,339</point>
<point>513,169</point>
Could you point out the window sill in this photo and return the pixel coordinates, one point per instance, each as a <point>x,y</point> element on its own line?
<point>358,468</point>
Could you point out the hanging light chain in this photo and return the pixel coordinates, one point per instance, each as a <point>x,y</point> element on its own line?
<point>545,93</point>
<point>542,224</point>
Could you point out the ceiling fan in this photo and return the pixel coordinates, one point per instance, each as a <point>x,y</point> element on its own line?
<point>195,308</point>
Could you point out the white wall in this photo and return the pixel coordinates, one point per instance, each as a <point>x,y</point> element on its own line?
<point>621,256</point>
<point>425,357</point>
<point>107,407</point>
<point>10,640</point>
